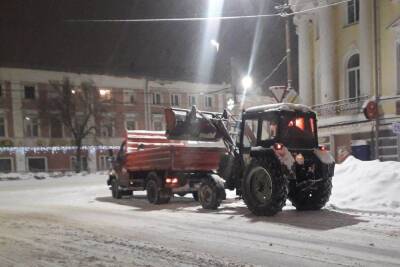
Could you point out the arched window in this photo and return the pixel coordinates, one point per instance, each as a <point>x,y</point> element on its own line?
<point>353,76</point>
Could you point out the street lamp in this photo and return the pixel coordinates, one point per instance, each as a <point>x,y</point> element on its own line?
<point>247,82</point>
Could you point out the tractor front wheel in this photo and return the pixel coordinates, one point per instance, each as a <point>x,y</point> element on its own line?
<point>314,199</point>
<point>210,195</point>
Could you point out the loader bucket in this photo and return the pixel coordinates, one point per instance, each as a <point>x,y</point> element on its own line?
<point>190,125</point>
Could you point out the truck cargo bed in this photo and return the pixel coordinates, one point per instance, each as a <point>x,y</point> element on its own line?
<point>150,150</point>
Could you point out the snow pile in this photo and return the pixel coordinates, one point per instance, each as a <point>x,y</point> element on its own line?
<point>366,185</point>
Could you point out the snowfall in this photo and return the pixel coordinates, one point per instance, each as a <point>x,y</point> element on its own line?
<point>65,219</point>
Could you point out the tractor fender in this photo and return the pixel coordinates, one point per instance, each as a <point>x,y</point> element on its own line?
<point>326,167</point>
<point>283,156</point>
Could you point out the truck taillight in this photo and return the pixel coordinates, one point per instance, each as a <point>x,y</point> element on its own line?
<point>171,180</point>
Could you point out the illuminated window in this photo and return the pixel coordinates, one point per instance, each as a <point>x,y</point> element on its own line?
<point>105,94</point>
<point>31,124</point>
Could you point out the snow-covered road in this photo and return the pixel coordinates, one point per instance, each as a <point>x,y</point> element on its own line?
<point>73,221</point>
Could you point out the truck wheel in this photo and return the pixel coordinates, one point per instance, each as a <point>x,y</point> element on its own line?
<point>155,193</point>
<point>195,196</point>
<point>311,200</point>
<point>209,195</point>
<point>264,188</point>
<point>115,192</point>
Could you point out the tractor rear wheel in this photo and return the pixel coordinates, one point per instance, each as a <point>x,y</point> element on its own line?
<point>264,188</point>
<point>155,193</point>
<point>311,200</point>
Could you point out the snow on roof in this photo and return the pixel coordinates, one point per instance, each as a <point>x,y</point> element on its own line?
<point>279,107</point>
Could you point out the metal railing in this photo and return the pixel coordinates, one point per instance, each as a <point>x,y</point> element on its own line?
<point>349,106</point>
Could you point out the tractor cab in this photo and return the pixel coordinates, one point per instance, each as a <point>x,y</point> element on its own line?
<point>293,126</point>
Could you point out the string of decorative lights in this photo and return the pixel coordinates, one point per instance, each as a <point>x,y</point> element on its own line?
<point>54,149</point>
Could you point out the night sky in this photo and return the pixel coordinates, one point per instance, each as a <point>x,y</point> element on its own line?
<point>35,33</point>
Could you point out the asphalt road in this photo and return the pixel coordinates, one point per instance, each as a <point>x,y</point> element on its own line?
<point>73,221</point>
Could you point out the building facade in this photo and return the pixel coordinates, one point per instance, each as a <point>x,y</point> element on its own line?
<point>30,141</point>
<point>349,52</point>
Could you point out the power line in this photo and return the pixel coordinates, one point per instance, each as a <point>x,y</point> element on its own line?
<point>274,70</point>
<point>281,14</point>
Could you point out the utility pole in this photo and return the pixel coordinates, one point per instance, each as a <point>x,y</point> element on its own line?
<point>377,74</point>
<point>288,53</point>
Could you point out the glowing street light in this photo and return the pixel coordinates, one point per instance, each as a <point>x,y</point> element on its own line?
<point>215,44</point>
<point>247,82</point>
<point>230,104</point>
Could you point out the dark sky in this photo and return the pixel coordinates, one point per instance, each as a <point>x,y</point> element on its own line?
<point>35,33</point>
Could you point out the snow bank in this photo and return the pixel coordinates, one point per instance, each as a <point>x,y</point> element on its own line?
<point>40,175</point>
<point>366,185</point>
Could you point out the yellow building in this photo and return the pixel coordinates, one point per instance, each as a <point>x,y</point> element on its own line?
<point>348,51</point>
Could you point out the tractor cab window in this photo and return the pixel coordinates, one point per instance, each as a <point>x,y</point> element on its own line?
<point>250,133</point>
<point>269,131</point>
<point>298,131</point>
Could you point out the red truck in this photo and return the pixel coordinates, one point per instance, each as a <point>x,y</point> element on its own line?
<point>163,166</point>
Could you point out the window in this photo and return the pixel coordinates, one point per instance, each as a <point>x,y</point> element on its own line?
<point>353,76</point>
<point>250,133</point>
<point>56,128</point>
<point>157,125</point>
<point>156,99</point>
<point>107,130</point>
<point>353,11</point>
<point>104,163</point>
<point>84,163</point>
<point>192,100</point>
<point>269,130</point>
<point>105,94</point>
<point>29,92</point>
<point>31,126</point>
<point>130,124</point>
<point>208,101</point>
<point>398,66</point>
<point>129,96</point>
<point>2,127</point>
<point>174,100</point>
<point>5,165</point>
<point>37,164</point>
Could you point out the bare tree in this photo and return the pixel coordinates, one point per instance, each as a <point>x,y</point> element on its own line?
<point>78,107</point>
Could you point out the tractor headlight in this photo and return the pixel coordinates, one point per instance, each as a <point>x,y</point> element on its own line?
<point>300,159</point>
